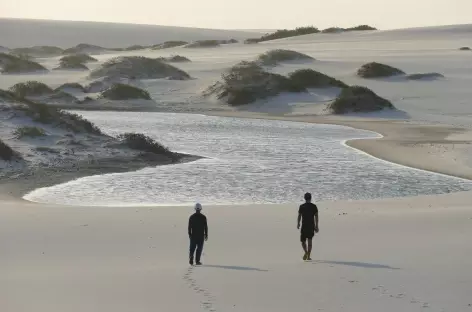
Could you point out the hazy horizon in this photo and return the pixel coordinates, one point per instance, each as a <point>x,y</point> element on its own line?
<point>215,14</point>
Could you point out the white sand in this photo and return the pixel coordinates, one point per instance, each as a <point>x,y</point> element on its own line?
<point>386,255</point>
<point>410,254</point>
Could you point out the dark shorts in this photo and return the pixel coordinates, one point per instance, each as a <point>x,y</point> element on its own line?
<point>307,233</point>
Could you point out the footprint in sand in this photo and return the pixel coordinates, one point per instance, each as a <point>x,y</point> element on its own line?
<point>207,299</point>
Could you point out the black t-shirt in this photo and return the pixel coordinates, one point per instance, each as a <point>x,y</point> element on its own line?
<point>197,226</point>
<point>308,212</point>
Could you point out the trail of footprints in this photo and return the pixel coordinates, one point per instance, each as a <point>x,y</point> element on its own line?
<point>381,289</point>
<point>206,297</point>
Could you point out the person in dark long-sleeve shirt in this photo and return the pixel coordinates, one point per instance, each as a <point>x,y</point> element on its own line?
<point>198,234</point>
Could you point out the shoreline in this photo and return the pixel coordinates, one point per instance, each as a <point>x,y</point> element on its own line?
<point>403,142</point>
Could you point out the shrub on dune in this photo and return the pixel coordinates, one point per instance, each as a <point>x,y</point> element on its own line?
<point>309,78</point>
<point>286,33</point>
<point>30,88</point>
<point>125,92</point>
<point>11,64</point>
<point>174,59</point>
<point>426,76</point>
<point>356,99</point>
<point>84,48</point>
<point>71,64</point>
<point>274,57</point>
<point>38,51</point>
<point>143,143</point>
<point>378,70</point>
<point>7,153</point>
<point>78,58</point>
<point>71,86</point>
<point>169,44</point>
<point>204,44</point>
<point>465,49</point>
<point>247,82</point>
<point>138,67</point>
<point>31,132</point>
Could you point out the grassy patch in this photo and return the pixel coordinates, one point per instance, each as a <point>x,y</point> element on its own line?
<point>11,64</point>
<point>273,57</point>
<point>378,70</point>
<point>309,78</point>
<point>425,76</point>
<point>124,92</point>
<point>358,99</point>
<point>285,33</point>
<point>7,153</point>
<point>73,86</point>
<point>30,88</point>
<point>31,132</point>
<point>204,44</point>
<point>174,59</point>
<point>143,143</point>
<point>78,58</point>
<point>247,82</point>
<point>169,44</point>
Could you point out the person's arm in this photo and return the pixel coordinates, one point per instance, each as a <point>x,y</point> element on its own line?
<point>190,227</point>
<point>317,229</point>
<point>299,217</point>
<point>206,229</point>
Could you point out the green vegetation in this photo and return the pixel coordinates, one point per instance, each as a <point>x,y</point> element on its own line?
<point>174,59</point>
<point>247,82</point>
<point>7,153</point>
<point>30,88</point>
<point>11,64</point>
<point>377,70</point>
<point>204,44</point>
<point>79,57</point>
<point>309,78</point>
<point>143,143</point>
<point>71,86</point>
<point>358,99</point>
<point>273,57</point>
<point>251,41</point>
<point>169,44</point>
<point>84,48</point>
<point>138,67</point>
<point>135,47</point>
<point>285,33</point>
<point>124,92</point>
<point>71,64</point>
<point>38,51</point>
<point>426,76</point>
<point>465,49</point>
<point>31,132</point>
<point>333,30</point>
<point>360,28</point>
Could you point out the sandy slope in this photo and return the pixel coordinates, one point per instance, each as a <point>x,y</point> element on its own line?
<point>387,255</point>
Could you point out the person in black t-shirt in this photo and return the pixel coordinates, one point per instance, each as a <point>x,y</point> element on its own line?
<point>308,215</point>
<point>198,233</point>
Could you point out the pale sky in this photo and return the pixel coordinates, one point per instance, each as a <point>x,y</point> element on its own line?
<point>248,14</point>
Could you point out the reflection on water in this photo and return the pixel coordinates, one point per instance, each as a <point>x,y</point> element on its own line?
<point>249,161</point>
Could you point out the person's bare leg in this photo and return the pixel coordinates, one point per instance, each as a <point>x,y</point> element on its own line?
<point>305,250</point>
<point>310,244</point>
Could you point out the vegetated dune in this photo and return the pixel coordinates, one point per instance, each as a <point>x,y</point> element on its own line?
<point>38,51</point>
<point>378,70</point>
<point>71,65</point>
<point>137,67</point>
<point>79,57</point>
<point>284,33</point>
<point>42,93</point>
<point>174,59</point>
<point>42,134</point>
<point>337,30</point>
<point>10,64</point>
<point>465,49</point>
<point>204,44</point>
<point>425,76</point>
<point>309,78</point>
<point>124,92</point>
<point>169,44</point>
<point>247,82</point>
<point>85,48</point>
<point>71,87</point>
<point>356,99</point>
<point>274,57</point>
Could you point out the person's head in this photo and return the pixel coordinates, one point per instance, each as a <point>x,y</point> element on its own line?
<point>307,197</point>
<point>198,207</point>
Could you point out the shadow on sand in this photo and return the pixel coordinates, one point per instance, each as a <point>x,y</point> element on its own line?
<point>231,267</point>
<point>358,264</point>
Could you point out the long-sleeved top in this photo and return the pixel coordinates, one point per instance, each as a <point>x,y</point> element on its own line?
<point>197,226</point>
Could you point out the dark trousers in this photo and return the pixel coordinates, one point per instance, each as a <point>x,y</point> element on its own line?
<point>196,243</point>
